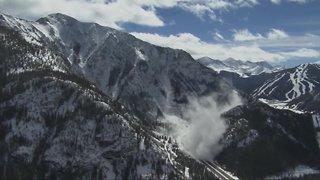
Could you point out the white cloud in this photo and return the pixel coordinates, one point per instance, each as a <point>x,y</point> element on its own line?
<point>310,41</point>
<point>277,34</point>
<point>109,14</point>
<point>155,3</point>
<point>198,48</point>
<point>276,1</point>
<point>295,1</point>
<point>244,50</point>
<point>198,9</point>
<point>245,35</point>
<point>210,8</point>
<point>303,52</point>
<point>218,36</point>
<point>300,1</point>
<point>114,12</point>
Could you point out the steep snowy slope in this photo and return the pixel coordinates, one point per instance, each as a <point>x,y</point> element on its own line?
<point>243,68</point>
<point>59,126</point>
<point>22,44</point>
<point>144,77</point>
<point>302,80</point>
<point>296,88</point>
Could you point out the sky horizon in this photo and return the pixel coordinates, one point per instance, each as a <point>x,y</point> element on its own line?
<point>277,31</point>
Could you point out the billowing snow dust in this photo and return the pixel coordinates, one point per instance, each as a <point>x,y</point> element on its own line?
<point>199,132</point>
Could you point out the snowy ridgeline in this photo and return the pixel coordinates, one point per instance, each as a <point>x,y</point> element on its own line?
<point>281,105</point>
<point>243,68</point>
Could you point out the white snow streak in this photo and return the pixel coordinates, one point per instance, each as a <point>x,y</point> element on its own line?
<point>299,79</point>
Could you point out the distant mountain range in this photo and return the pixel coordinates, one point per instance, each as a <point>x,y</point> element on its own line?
<point>79,100</point>
<point>243,68</point>
<point>295,88</point>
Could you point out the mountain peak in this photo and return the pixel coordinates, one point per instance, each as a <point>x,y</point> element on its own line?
<point>60,16</point>
<point>56,17</point>
<point>265,64</point>
<point>232,60</point>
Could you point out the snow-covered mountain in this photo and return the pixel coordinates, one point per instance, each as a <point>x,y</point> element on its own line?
<point>144,77</point>
<point>85,101</point>
<point>61,84</point>
<point>243,68</point>
<point>265,140</point>
<point>295,88</point>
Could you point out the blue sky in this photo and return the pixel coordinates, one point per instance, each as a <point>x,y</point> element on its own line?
<point>277,31</point>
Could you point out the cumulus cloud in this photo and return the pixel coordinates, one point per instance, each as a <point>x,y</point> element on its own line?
<point>277,34</point>
<point>198,48</point>
<point>244,50</point>
<point>115,12</point>
<point>245,35</point>
<point>201,128</point>
<point>110,13</point>
<point>310,41</point>
<point>303,52</point>
<point>209,8</point>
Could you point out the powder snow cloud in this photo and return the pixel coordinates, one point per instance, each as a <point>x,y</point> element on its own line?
<point>202,126</point>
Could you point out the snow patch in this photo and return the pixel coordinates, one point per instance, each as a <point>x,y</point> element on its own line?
<point>316,120</point>
<point>318,138</point>
<point>298,79</point>
<point>186,173</point>
<point>280,105</point>
<point>268,85</point>
<point>140,55</point>
<point>142,145</point>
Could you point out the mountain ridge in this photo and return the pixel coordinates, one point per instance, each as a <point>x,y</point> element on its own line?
<point>294,88</point>
<point>243,68</point>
